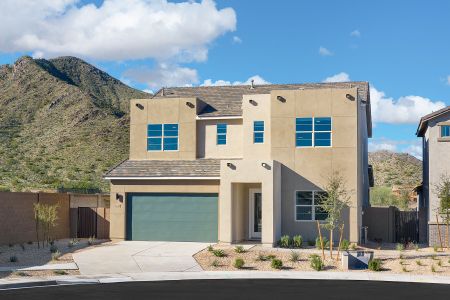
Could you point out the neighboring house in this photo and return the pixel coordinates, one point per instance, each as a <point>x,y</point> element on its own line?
<point>434,129</point>
<point>236,163</point>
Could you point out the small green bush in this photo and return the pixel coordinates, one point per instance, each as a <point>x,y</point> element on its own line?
<point>439,263</point>
<point>316,262</point>
<point>345,245</point>
<point>215,263</point>
<point>91,241</point>
<point>285,241</point>
<point>70,244</point>
<point>271,256</point>
<point>60,272</point>
<point>297,241</point>
<point>404,269</point>
<point>53,249</point>
<point>262,257</point>
<point>400,247</point>
<point>238,263</point>
<point>419,263</point>
<point>276,264</point>
<point>353,246</point>
<point>13,258</point>
<point>210,248</point>
<point>56,255</point>
<point>435,248</point>
<point>295,256</point>
<point>239,249</point>
<point>326,243</point>
<point>219,253</point>
<point>433,269</point>
<point>375,264</point>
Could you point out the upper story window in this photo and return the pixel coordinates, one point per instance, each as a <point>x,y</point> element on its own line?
<point>258,132</point>
<point>307,206</point>
<point>221,134</point>
<point>162,137</point>
<point>445,131</point>
<point>313,132</point>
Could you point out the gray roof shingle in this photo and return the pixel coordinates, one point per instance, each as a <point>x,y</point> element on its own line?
<point>227,100</point>
<point>424,120</point>
<point>166,168</point>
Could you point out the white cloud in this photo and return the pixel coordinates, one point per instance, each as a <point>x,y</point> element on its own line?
<point>340,77</point>
<point>257,80</point>
<point>355,33</point>
<point>325,52</point>
<point>385,145</point>
<point>237,40</point>
<point>404,110</point>
<point>114,30</point>
<point>414,150</point>
<point>164,75</point>
<point>412,147</point>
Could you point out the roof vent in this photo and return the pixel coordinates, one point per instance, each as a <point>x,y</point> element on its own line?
<point>252,84</point>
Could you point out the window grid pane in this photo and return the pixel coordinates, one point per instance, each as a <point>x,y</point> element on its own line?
<point>162,137</point>
<point>445,130</point>
<point>258,132</point>
<point>303,134</point>
<point>307,206</point>
<point>221,129</point>
<point>313,132</point>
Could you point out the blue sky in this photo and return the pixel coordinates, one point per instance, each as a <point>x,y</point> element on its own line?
<point>402,50</point>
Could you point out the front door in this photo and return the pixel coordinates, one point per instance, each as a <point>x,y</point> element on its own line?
<point>255,209</point>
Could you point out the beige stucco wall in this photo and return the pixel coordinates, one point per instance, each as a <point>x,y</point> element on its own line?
<point>309,168</point>
<point>122,187</point>
<point>163,111</point>
<point>438,158</point>
<point>207,139</point>
<point>250,171</point>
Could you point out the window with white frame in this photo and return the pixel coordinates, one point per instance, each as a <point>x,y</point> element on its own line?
<point>307,206</point>
<point>313,132</point>
<point>162,137</point>
<point>221,134</point>
<point>258,132</point>
<point>445,131</point>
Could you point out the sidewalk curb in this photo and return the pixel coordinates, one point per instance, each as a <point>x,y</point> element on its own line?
<point>27,284</point>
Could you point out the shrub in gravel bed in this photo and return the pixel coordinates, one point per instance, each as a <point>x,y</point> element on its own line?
<point>295,256</point>
<point>22,274</point>
<point>60,272</point>
<point>238,263</point>
<point>375,265</point>
<point>239,249</point>
<point>13,258</point>
<point>297,240</point>
<point>400,247</point>
<point>56,255</point>
<point>215,263</point>
<point>326,243</point>
<point>276,264</point>
<point>345,245</point>
<point>316,262</point>
<point>262,257</point>
<point>53,248</point>
<point>271,256</point>
<point>210,248</point>
<point>219,253</point>
<point>285,241</point>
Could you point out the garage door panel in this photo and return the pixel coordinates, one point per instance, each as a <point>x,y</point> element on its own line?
<point>172,217</point>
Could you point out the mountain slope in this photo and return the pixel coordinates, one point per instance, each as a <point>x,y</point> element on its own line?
<point>391,168</point>
<point>63,123</point>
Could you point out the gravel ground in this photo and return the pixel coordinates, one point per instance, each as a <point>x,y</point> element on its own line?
<point>36,274</point>
<point>31,255</point>
<point>409,261</point>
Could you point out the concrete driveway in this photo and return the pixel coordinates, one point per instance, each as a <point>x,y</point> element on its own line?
<point>135,256</point>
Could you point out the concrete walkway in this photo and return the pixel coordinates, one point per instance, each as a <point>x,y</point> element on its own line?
<point>136,257</point>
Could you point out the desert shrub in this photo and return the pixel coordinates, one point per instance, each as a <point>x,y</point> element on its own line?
<point>210,248</point>
<point>60,272</point>
<point>276,263</point>
<point>297,241</point>
<point>326,242</point>
<point>238,263</point>
<point>53,249</point>
<point>433,269</point>
<point>353,246</point>
<point>345,245</point>
<point>375,264</point>
<point>435,248</point>
<point>271,256</point>
<point>419,263</point>
<point>56,255</point>
<point>13,258</point>
<point>400,247</point>
<point>91,241</point>
<point>285,241</point>
<point>295,256</point>
<point>219,253</point>
<point>439,263</point>
<point>215,263</point>
<point>262,257</point>
<point>404,269</point>
<point>239,249</point>
<point>316,262</point>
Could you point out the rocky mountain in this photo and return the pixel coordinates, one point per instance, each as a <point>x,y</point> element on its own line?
<point>63,123</point>
<point>391,168</point>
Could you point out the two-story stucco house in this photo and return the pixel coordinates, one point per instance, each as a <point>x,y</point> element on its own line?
<point>236,163</point>
<point>434,129</point>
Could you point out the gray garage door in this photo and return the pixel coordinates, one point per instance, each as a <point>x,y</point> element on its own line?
<point>172,217</point>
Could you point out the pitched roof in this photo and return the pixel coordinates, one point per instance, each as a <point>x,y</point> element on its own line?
<point>424,120</point>
<point>227,100</point>
<point>165,168</point>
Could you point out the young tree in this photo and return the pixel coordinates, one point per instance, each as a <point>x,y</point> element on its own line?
<point>442,191</point>
<point>333,201</point>
<point>45,216</point>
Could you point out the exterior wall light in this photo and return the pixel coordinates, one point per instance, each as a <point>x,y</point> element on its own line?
<point>231,166</point>
<point>190,104</point>
<point>253,102</point>
<point>349,97</point>
<point>119,197</point>
<point>266,166</point>
<point>140,106</point>
<point>281,99</point>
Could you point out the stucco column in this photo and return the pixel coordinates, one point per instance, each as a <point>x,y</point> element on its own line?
<point>225,212</point>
